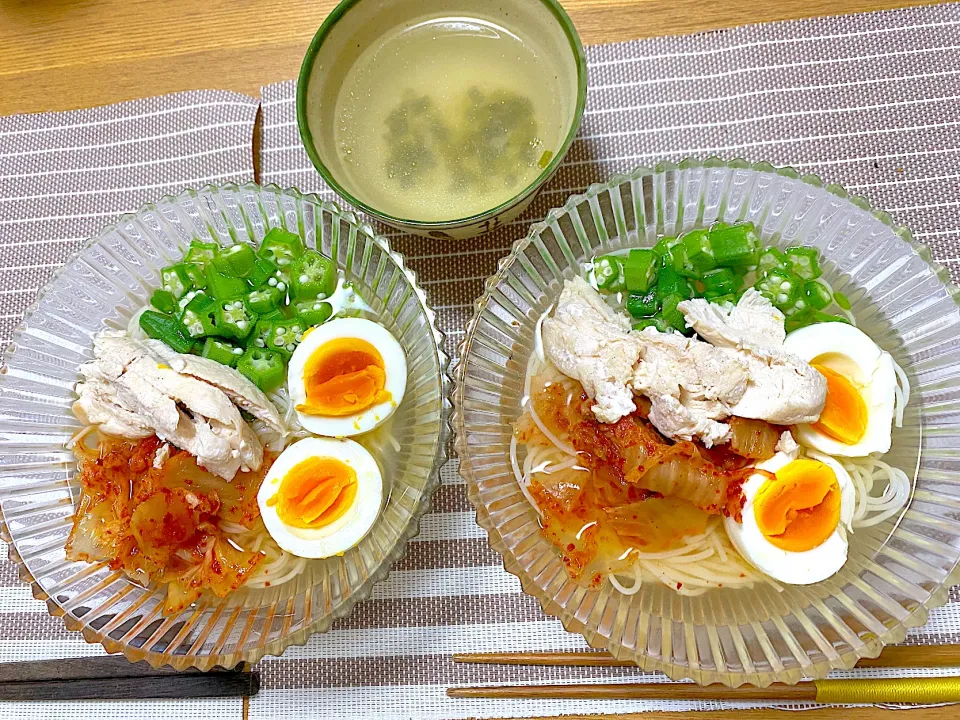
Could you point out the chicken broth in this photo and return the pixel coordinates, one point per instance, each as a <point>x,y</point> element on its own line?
<point>447,117</point>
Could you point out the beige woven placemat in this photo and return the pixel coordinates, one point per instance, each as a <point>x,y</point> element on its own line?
<point>63,176</point>
<point>871,101</point>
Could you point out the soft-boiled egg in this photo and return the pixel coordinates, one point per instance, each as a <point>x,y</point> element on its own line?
<point>321,496</point>
<point>346,377</point>
<point>857,417</point>
<point>795,518</point>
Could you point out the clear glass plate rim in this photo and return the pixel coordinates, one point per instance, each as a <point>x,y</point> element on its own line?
<point>871,649</point>
<point>322,623</point>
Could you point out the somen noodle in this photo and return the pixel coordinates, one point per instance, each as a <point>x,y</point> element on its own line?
<point>702,561</point>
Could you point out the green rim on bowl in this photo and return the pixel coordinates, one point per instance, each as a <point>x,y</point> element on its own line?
<point>310,146</point>
<point>896,570</point>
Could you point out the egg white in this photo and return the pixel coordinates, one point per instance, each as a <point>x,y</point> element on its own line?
<point>347,530</point>
<point>394,363</point>
<point>786,566</point>
<point>873,372</point>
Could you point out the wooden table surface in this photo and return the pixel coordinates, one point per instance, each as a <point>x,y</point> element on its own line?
<point>67,54</point>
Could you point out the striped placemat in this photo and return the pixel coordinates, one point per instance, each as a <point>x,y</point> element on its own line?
<point>63,176</point>
<point>870,101</point>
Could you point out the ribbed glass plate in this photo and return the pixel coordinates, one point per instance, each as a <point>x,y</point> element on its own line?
<point>101,286</point>
<point>896,571</point>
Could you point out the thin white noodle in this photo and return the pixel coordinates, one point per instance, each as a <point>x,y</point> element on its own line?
<point>279,573</point>
<point>233,528</point>
<point>80,436</point>
<point>902,395</point>
<point>721,551</point>
<point>671,554</point>
<point>549,435</point>
<point>872,509</point>
<point>696,557</point>
<point>695,578</point>
<point>133,326</point>
<point>637,582</point>
<point>554,467</point>
<point>534,365</point>
<point>848,314</point>
<point>862,493</point>
<point>899,480</point>
<point>532,369</point>
<point>538,339</point>
<point>523,477</point>
<point>898,405</point>
<point>513,459</point>
<point>586,527</point>
<point>687,583</point>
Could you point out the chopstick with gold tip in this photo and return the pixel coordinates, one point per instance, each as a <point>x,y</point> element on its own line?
<point>898,656</point>
<point>922,691</point>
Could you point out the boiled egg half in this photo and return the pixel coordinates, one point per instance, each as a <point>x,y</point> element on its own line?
<point>346,377</point>
<point>795,518</point>
<point>321,496</point>
<point>857,417</point>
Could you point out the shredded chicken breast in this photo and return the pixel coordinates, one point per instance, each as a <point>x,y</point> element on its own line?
<point>691,385</point>
<point>589,341</point>
<point>752,323</point>
<point>134,390</point>
<point>787,445</point>
<point>783,389</point>
<point>241,391</point>
<point>741,370</point>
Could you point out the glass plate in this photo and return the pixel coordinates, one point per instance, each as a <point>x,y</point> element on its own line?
<point>896,570</point>
<point>101,286</point>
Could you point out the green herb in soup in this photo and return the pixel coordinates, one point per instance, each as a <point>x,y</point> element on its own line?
<point>490,142</point>
<point>414,132</point>
<point>448,118</point>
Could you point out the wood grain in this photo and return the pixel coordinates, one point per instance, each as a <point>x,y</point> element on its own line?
<point>64,54</point>
<point>178,686</point>
<point>894,656</point>
<point>799,693</point>
<point>90,668</point>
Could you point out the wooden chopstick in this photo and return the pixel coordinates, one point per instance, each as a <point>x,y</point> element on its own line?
<point>89,668</point>
<point>116,678</point>
<point>803,692</point>
<point>186,685</point>
<point>856,691</point>
<point>911,690</point>
<point>899,656</point>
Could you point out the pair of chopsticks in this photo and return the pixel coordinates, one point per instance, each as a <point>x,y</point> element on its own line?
<point>116,678</point>
<point>857,691</point>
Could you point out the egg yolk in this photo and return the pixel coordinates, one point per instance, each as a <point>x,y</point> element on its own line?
<point>844,416</point>
<point>800,507</point>
<point>343,377</point>
<point>315,492</point>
